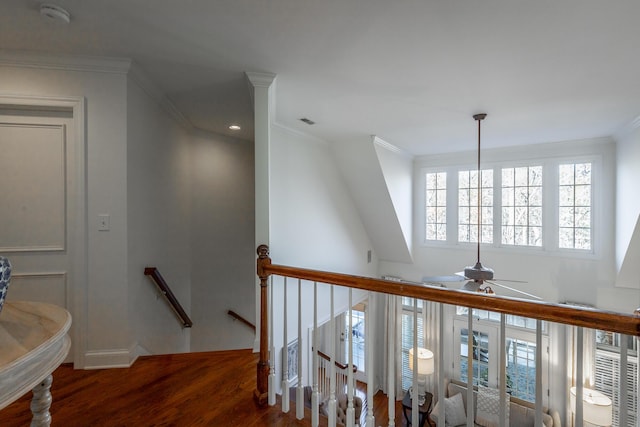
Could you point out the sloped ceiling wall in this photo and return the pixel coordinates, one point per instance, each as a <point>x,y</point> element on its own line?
<point>628,209</point>
<point>381,198</point>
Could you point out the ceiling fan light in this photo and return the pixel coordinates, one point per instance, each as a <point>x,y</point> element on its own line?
<point>478,272</point>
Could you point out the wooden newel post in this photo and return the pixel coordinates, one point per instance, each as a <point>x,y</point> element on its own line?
<point>262,384</point>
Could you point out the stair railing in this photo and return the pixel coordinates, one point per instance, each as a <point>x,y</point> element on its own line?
<point>169,296</point>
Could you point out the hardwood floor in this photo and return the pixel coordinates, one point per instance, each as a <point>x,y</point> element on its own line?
<point>194,389</point>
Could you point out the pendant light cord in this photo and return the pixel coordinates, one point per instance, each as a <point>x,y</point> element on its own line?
<point>479,118</point>
<point>479,193</point>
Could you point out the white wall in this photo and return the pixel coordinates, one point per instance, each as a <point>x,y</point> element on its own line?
<point>314,224</point>
<point>149,175</point>
<point>105,324</point>
<point>158,201</point>
<point>397,168</point>
<point>223,255</point>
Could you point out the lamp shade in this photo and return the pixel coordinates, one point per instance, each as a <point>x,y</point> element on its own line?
<point>596,407</point>
<point>425,361</point>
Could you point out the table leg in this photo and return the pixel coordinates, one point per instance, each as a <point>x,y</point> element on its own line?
<point>41,402</point>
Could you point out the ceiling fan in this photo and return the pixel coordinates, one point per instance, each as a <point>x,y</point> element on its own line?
<point>478,277</point>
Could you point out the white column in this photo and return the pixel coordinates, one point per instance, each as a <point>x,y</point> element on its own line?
<point>263,100</point>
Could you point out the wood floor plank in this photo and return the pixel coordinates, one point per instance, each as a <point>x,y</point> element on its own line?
<point>191,389</point>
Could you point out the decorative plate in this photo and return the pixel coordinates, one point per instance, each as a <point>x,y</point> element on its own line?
<point>5,274</point>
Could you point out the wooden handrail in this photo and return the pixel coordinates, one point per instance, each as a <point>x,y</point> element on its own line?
<point>236,316</point>
<point>628,324</point>
<point>338,364</point>
<point>570,315</point>
<point>170,297</point>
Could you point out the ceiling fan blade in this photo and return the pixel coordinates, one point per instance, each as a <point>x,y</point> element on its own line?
<point>513,281</point>
<point>439,279</point>
<point>513,289</point>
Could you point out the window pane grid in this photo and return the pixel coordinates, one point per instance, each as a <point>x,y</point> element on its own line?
<point>480,351</point>
<point>522,206</point>
<point>468,206</point>
<point>436,206</point>
<point>521,369</point>
<point>574,206</point>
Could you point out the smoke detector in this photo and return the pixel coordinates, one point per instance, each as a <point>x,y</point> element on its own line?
<point>55,13</point>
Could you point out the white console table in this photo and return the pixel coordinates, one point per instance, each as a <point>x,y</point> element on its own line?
<point>33,343</point>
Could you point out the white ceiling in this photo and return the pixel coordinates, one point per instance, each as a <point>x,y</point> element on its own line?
<point>411,72</point>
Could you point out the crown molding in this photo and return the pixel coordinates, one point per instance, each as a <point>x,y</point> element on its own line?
<point>140,77</point>
<point>390,147</point>
<point>14,58</point>
<point>260,79</point>
<point>627,129</point>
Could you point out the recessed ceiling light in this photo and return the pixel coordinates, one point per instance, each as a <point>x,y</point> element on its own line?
<point>307,121</point>
<point>235,127</point>
<point>55,13</point>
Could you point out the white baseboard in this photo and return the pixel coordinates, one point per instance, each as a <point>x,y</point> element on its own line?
<point>105,359</point>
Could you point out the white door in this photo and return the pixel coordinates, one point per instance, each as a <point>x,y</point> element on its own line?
<point>37,212</point>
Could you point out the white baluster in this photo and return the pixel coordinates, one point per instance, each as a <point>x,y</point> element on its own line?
<point>331,407</point>
<point>392,361</point>
<point>315,404</point>
<point>470,408</point>
<point>285,355</point>
<point>272,350</point>
<point>622,403</point>
<point>350,409</point>
<point>579,377</point>
<point>502,377</point>
<point>538,373</point>
<point>414,379</point>
<point>300,389</point>
<point>440,365</point>
<point>369,333</point>
<point>41,402</point>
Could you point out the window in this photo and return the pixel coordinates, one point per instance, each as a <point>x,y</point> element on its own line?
<point>574,203</point>
<point>407,337</point>
<point>522,206</point>
<point>468,206</point>
<point>520,352</point>
<point>436,206</point>
<point>548,199</point>
<point>607,373</point>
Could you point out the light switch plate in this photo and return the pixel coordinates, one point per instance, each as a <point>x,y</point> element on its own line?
<point>104,223</point>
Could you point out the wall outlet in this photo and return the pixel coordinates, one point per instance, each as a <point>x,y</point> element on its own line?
<point>369,256</point>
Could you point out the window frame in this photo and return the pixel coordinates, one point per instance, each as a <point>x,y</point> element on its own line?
<point>598,152</point>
